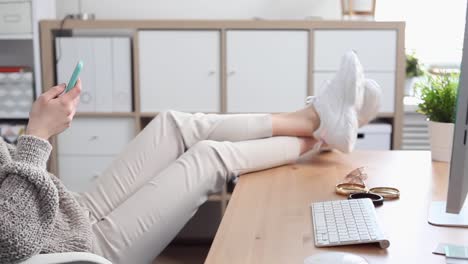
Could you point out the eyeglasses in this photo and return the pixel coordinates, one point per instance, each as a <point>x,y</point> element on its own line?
<point>355,188</point>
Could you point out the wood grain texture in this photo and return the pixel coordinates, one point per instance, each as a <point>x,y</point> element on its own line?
<point>219,24</point>
<point>48,80</point>
<point>310,63</point>
<point>223,73</point>
<point>136,74</point>
<point>136,83</point>
<point>268,218</point>
<point>399,88</point>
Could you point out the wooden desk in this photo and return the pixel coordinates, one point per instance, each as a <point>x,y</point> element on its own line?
<point>268,218</point>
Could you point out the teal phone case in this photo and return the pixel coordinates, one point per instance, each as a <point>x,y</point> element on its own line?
<point>74,77</point>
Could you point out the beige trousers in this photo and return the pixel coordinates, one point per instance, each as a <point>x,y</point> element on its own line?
<point>150,191</point>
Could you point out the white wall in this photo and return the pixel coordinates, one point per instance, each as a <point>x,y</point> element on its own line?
<point>434,28</point>
<point>203,9</point>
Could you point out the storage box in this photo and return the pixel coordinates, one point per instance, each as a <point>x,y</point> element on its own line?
<point>15,17</point>
<point>11,132</point>
<point>374,137</point>
<point>16,92</point>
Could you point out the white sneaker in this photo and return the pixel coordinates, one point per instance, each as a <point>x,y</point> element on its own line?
<point>368,111</point>
<point>337,105</point>
<point>371,103</point>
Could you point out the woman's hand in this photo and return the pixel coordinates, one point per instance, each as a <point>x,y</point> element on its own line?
<point>53,111</point>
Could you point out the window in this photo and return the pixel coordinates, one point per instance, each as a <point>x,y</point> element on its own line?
<point>434,28</point>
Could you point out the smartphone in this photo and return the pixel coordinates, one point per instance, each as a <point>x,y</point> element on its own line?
<point>74,77</point>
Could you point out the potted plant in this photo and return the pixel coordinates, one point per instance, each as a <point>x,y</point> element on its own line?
<point>414,72</point>
<point>438,97</point>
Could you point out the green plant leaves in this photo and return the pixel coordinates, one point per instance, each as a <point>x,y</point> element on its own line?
<point>439,96</point>
<point>413,68</point>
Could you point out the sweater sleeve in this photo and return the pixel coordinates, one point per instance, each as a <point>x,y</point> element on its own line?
<point>28,201</point>
<point>11,148</point>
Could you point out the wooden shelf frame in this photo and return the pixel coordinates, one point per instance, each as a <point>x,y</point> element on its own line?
<point>49,27</point>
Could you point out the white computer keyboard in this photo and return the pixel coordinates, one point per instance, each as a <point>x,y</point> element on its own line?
<point>346,222</point>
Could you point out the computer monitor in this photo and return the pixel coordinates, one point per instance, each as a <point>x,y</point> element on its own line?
<point>453,212</point>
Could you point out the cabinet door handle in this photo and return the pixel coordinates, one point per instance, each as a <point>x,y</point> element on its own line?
<point>85,97</point>
<point>95,175</point>
<point>93,138</point>
<point>211,73</point>
<point>12,18</point>
<point>231,73</point>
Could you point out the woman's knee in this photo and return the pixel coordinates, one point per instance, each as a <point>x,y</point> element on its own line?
<point>209,147</point>
<point>213,152</point>
<point>210,159</point>
<point>166,115</point>
<point>166,118</point>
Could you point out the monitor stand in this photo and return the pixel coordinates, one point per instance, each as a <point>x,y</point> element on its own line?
<point>439,217</point>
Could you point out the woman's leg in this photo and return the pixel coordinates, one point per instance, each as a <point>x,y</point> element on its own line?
<point>331,117</point>
<point>142,226</point>
<point>169,135</point>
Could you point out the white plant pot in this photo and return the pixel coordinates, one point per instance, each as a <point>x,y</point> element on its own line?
<point>409,85</point>
<point>441,138</point>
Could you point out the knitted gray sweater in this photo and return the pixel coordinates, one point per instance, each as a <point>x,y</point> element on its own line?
<point>37,213</point>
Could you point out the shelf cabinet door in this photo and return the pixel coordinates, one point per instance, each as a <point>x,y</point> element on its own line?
<point>266,70</point>
<point>179,70</point>
<point>376,48</point>
<point>386,80</point>
<point>79,173</point>
<point>89,146</point>
<point>96,136</point>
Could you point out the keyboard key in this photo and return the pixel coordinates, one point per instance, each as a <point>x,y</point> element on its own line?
<point>365,237</point>
<point>349,239</point>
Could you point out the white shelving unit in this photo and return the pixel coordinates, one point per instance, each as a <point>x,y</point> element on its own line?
<point>44,9</point>
<point>20,47</point>
<point>23,49</point>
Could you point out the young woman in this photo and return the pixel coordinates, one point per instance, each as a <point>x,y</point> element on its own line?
<point>155,186</point>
